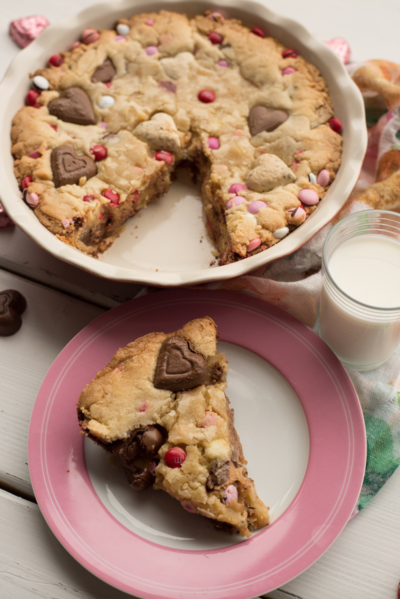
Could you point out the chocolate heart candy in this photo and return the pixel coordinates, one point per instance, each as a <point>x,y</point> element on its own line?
<point>104,73</point>
<point>73,106</point>
<point>68,168</point>
<point>178,367</point>
<point>262,118</point>
<point>12,305</point>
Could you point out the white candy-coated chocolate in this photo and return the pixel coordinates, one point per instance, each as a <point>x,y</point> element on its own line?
<point>106,102</point>
<point>281,233</point>
<point>41,82</point>
<point>123,29</point>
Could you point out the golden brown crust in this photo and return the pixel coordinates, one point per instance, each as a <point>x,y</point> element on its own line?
<point>156,108</point>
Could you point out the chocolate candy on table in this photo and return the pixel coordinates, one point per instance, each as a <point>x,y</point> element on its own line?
<point>178,367</point>
<point>262,118</point>
<point>104,73</point>
<point>12,305</point>
<point>68,167</point>
<point>73,106</point>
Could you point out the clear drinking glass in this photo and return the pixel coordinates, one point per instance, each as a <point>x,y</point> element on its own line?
<point>362,335</point>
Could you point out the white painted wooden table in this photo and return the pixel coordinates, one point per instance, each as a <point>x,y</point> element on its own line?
<point>364,563</point>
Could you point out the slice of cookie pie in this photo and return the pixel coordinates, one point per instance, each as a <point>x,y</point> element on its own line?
<point>160,407</point>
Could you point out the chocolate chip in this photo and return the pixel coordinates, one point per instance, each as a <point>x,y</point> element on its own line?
<point>150,440</point>
<point>262,118</point>
<point>73,106</point>
<point>218,476</point>
<point>12,305</point>
<point>141,481</point>
<point>68,168</point>
<point>104,73</point>
<point>178,367</point>
<point>168,85</point>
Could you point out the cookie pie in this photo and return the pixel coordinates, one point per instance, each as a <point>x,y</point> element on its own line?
<point>160,407</point>
<point>107,122</point>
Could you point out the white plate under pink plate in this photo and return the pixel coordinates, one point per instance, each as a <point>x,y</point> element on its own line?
<point>303,435</point>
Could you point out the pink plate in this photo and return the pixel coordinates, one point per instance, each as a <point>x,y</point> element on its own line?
<point>321,505</point>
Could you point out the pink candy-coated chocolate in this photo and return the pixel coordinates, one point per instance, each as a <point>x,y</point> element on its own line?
<point>75,45</point>
<point>24,31</point>
<point>309,197</point>
<point>209,419</point>
<point>175,457</point>
<point>258,31</point>
<point>163,156</point>
<point>341,48</point>
<point>31,97</point>
<point>236,201</point>
<point>216,16</point>
<point>288,71</point>
<point>297,214</point>
<point>35,154</point>
<point>56,60</point>
<point>88,198</point>
<point>143,408</point>
<point>213,143</point>
<point>323,178</point>
<point>53,127</point>
<point>254,243</point>
<point>32,199</point>
<point>223,63</point>
<point>153,466</point>
<point>112,196</point>
<point>149,22</point>
<point>120,38</point>
<point>103,124</point>
<point>89,36</point>
<point>65,223</point>
<point>235,187</point>
<point>188,507</point>
<point>5,220</point>
<point>255,207</point>
<point>99,152</point>
<point>26,181</point>
<point>215,38</point>
<point>151,50</point>
<point>230,493</point>
<point>289,53</point>
<point>206,96</point>
<point>335,124</point>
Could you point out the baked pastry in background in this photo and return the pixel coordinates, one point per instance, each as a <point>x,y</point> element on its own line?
<point>160,407</point>
<point>108,121</point>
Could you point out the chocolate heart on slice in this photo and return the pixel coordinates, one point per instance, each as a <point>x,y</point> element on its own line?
<point>73,106</point>
<point>68,168</point>
<point>104,73</point>
<point>12,305</point>
<point>262,118</point>
<point>178,367</point>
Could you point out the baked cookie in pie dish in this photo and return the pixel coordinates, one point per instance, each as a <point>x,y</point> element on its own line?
<point>160,407</point>
<point>108,121</point>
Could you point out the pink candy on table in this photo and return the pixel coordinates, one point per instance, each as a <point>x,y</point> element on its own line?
<point>149,22</point>
<point>258,31</point>
<point>26,181</point>
<point>175,457</point>
<point>288,71</point>
<point>24,31</point>
<point>89,36</point>
<point>236,201</point>
<point>341,48</point>
<point>112,196</point>
<point>297,214</point>
<point>5,220</point>
<point>230,493</point>
<point>206,96</point>
<point>213,143</point>
<point>163,156</point>
<point>31,97</point>
<point>56,60</point>
<point>99,152</point>
<point>215,38</point>
<point>254,243</point>
<point>235,187</point>
<point>32,199</point>
<point>335,124</point>
<point>255,207</point>
<point>323,178</point>
<point>151,50</point>
<point>75,45</point>
<point>309,197</point>
<point>223,63</point>
<point>289,53</point>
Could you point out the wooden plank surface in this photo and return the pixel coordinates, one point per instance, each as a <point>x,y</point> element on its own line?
<point>49,322</point>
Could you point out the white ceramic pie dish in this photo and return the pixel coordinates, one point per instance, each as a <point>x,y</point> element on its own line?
<point>166,244</point>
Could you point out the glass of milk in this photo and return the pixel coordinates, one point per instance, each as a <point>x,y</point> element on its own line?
<point>359,309</point>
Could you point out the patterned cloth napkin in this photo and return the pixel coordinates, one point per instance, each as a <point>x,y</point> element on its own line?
<point>293,283</point>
